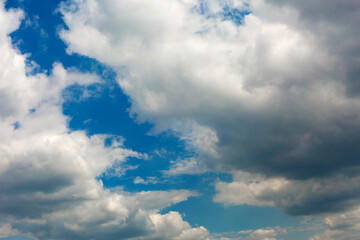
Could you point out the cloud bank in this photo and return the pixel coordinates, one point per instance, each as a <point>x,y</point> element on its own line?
<point>266,87</point>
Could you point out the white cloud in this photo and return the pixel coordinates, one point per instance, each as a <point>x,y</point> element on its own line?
<point>180,230</point>
<point>269,233</point>
<point>341,226</point>
<point>277,96</point>
<point>247,189</point>
<point>148,180</point>
<point>258,89</point>
<point>48,173</point>
<point>263,234</point>
<point>329,235</point>
<point>6,230</point>
<point>186,166</point>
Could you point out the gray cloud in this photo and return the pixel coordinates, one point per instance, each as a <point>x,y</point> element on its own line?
<point>333,194</point>
<point>335,23</point>
<point>273,101</point>
<point>276,96</point>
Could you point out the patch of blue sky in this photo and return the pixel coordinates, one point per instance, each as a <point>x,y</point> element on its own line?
<point>201,8</point>
<point>100,108</point>
<point>106,113</point>
<point>235,15</point>
<point>38,37</point>
<point>227,13</point>
<point>16,125</point>
<point>202,211</point>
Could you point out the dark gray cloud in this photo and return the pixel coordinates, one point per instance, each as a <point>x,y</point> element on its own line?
<point>314,197</point>
<point>276,96</point>
<point>282,144</point>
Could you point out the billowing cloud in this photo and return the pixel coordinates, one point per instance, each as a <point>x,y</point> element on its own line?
<point>271,93</point>
<point>341,226</point>
<point>334,199</point>
<point>269,100</point>
<point>297,197</point>
<point>48,174</point>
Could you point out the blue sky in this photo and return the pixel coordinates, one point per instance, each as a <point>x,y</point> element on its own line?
<point>179,120</point>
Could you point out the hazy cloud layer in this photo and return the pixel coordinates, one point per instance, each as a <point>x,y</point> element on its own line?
<point>276,95</point>
<point>48,173</point>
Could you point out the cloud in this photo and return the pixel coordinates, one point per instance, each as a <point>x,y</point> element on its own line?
<point>148,180</point>
<point>270,103</point>
<point>6,230</point>
<point>265,234</point>
<point>274,95</point>
<point>296,197</point>
<point>190,166</point>
<point>269,233</point>
<point>334,200</point>
<point>49,187</point>
<point>343,225</point>
<point>181,229</point>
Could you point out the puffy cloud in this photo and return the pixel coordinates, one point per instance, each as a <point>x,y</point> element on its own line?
<point>270,103</point>
<point>49,187</point>
<point>275,96</point>
<point>6,230</point>
<point>341,226</point>
<point>106,214</point>
<point>297,197</point>
<point>180,230</point>
<point>334,200</point>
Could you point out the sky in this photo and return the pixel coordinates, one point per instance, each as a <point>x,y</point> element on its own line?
<point>179,119</point>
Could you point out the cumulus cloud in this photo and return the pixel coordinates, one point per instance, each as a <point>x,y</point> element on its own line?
<point>273,93</point>
<point>335,200</point>
<point>270,103</point>
<point>341,226</point>
<point>297,197</point>
<point>49,187</point>
<point>182,230</point>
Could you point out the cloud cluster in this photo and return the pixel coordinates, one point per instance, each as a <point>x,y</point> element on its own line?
<point>270,91</point>
<point>273,90</point>
<point>341,226</point>
<point>296,197</point>
<point>48,174</point>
